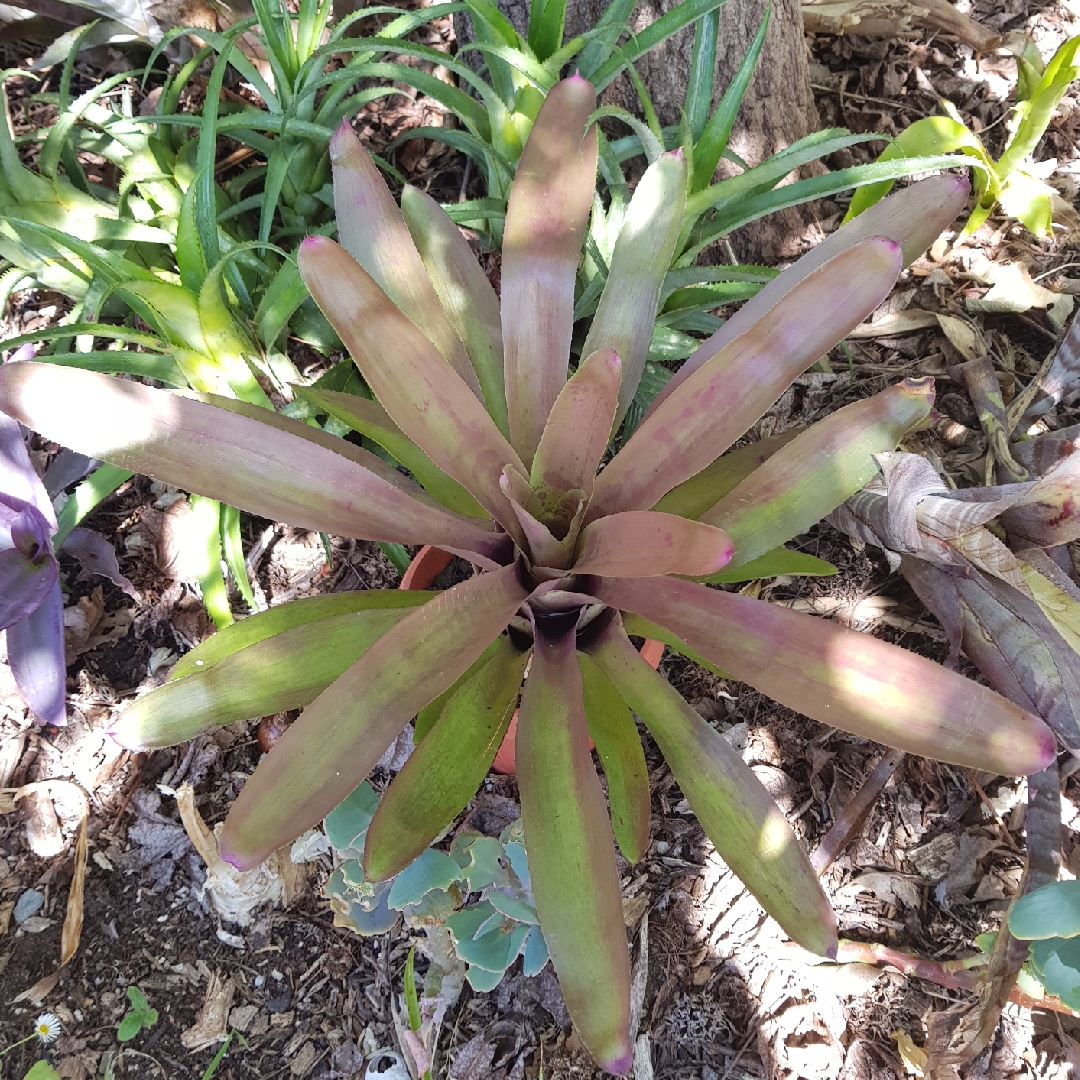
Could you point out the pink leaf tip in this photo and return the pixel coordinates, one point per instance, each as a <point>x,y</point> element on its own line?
<point>238,862</point>
<point>621,1065</point>
<point>678,154</point>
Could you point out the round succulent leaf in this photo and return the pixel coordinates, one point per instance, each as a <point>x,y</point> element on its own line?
<point>346,824</point>
<point>1052,911</point>
<point>484,981</point>
<point>513,907</point>
<point>495,949</point>
<point>519,861</point>
<point>535,952</point>
<point>471,921</point>
<point>1057,963</point>
<point>433,870</point>
<point>484,867</point>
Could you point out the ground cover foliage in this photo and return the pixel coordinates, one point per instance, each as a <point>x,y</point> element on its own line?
<point>929,872</point>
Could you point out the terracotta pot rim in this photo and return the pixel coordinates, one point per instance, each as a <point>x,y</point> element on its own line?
<point>426,565</point>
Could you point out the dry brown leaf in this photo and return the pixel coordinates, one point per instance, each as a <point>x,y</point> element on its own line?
<point>211,1025</point>
<point>73,920</point>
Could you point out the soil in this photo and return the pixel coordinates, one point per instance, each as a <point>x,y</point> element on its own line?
<point>719,994</point>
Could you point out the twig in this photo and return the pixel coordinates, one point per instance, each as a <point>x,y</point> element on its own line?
<point>853,815</point>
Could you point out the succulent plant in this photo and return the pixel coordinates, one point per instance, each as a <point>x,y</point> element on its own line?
<point>570,558</point>
<point>480,892</point>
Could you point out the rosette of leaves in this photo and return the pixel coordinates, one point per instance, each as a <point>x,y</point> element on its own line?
<point>1015,180</point>
<point>473,398</point>
<point>477,898</point>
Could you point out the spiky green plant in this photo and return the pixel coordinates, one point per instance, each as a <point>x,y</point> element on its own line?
<point>569,557</point>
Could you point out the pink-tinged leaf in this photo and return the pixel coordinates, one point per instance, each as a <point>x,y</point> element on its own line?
<point>914,218</point>
<point>577,429</point>
<point>18,478</point>
<point>413,383</point>
<point>612,728</point>
<point>815,473</point>
<point>712,408</point>
<point>843,678</point>
<point>643,543</point>
<point>546,217</point>
<point>464,291</point>
<point>372,231</point>
<point>540,543</point>
<point>571,850</point>
<point>1049,513</point>
<point>626,314</point>
<point>371,419</point>
<point>36,657</point>
<point>340,736</point>
<point>278,468</point>
<point>447,766</point>
<point>736,812</point>
<point>705,489</point>
<point>283,672</point>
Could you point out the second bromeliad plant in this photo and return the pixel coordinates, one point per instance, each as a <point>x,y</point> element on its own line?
<point>476,402</point>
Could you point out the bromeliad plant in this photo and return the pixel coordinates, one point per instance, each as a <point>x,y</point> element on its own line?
<point>475,400</point>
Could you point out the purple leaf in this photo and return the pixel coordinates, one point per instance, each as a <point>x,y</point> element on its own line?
<point>411,380</point>
<point>643,543</point>
<point>17,475</point>
<point>23,585</point>
<point>97,556</point>
<point>36,656</point>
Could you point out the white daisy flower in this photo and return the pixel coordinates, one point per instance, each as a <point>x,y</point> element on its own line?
<point>47,1027</point>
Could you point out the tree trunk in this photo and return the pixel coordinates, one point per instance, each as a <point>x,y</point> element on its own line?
<point>778,108</point>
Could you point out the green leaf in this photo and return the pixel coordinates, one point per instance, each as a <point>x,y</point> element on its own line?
<point>204,542</point>
<point>449,764</point>
<point>464,292</point>
<point>626,313</point>
<point>670,23</point>
<point>288,616</point>
<point>1057,963</point>
<point>429,714</point>
<point>101,483</point>
<point>612,728</point>
<point>347,824</point>
<point>129,1027</point>
<point>1052,911</point>
<point>705,489</point>
<point>639,627</point>
<point>780,560</point>
<point>841,677</point>
<point>547,19</point>
<point>931,135</point>
<point>814,473</point>
<point>736,812</point>
<point>275,674</point>
<point>42,1070</point>
<point>338,739</point>
<point>232,548</point>
<point>571,854</point>
<point>713,139</point>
